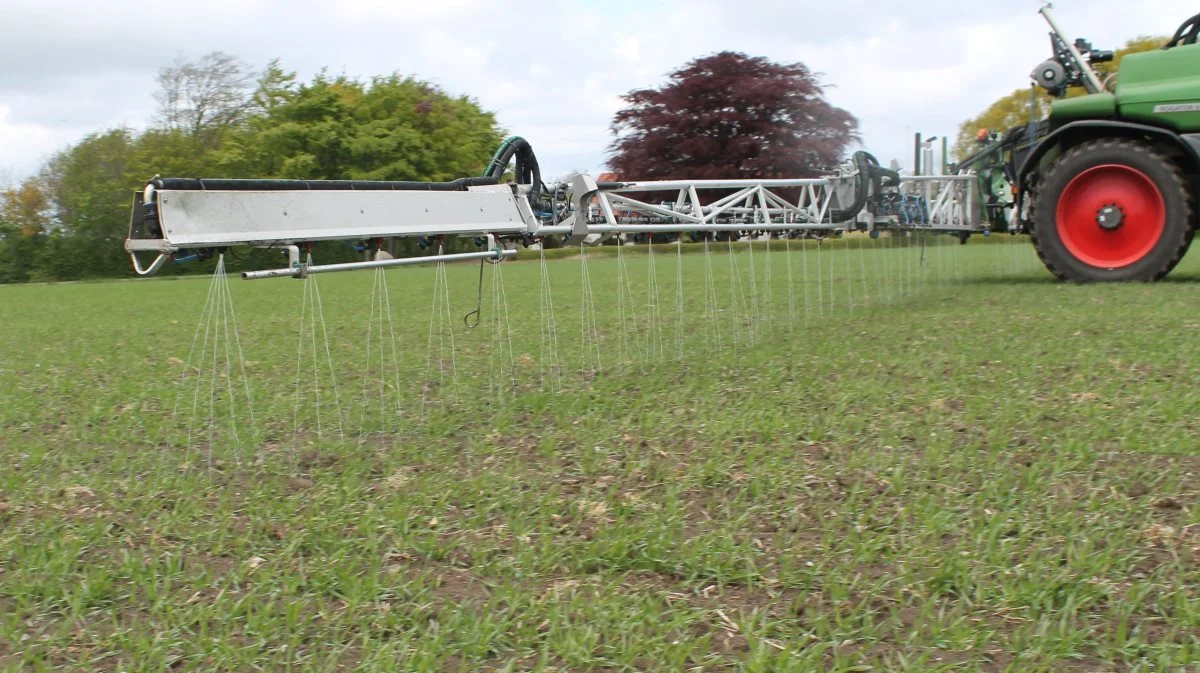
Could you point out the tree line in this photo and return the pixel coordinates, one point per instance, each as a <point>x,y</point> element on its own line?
<point>217,117</point>
<point>726,115</point>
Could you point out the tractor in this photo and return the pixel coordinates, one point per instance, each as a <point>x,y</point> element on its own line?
<point>1109,189</point>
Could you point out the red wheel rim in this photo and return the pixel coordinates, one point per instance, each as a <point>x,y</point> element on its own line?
<point>1126,194</point>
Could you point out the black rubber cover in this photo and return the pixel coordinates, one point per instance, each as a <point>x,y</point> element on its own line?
<point>1193,140</point>
<point>257,185</point>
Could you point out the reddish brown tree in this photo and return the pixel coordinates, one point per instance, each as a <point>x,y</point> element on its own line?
<point>730,116</point>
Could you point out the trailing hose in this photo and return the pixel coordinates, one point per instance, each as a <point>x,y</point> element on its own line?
<point>871,176</point>
<point>527,170</point>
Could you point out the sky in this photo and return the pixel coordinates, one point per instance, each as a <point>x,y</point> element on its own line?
<point>553,71</point>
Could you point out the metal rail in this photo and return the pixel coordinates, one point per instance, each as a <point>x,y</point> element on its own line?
<point>309,269</point>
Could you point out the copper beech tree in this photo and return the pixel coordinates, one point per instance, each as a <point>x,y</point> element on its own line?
<point>728,116</point>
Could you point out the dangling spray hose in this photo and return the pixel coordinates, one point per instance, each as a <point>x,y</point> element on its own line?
<point>527,173</point>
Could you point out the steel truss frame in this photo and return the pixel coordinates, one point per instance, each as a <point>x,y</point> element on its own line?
<point>165,221</point>
<point>759,205</point>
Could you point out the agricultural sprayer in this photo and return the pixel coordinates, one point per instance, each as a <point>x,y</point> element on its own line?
<point>1105,186</point>
<point>898,232</point>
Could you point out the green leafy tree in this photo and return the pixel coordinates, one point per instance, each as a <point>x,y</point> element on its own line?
<point>1008,112</point>
<point>24,221</point>
<point>89,190</point>
<point>216,120</point>
<point>390,129</point>
<point>90,186</point>
<point>275,86</point>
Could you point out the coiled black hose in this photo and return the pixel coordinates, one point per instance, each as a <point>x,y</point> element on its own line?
<point>871,176</point>
<point>527,170</point>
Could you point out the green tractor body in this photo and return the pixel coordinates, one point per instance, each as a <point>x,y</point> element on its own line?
<point>1109,189</point>
<point>1161,88</point>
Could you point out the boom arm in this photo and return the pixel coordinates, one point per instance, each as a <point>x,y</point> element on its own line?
<point>173,214</point>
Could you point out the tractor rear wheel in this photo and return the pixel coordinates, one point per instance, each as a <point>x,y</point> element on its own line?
<point>1112,210</point>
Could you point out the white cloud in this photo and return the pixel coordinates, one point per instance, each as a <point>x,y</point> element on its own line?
<point>553,71</point>
<point>23,147</point>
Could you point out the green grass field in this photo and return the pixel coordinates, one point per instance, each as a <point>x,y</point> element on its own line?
<point>875,464</point>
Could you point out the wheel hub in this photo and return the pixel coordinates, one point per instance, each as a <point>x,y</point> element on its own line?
<point>1110,217</point>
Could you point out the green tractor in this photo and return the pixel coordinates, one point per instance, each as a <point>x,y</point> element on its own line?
<point>1109,189</point>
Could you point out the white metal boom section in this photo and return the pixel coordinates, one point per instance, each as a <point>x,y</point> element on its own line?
<point>173,215</point>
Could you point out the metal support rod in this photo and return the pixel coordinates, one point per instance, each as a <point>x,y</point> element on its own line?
<point>1091,82</point>
<point>917,155</point>
<point>495,255</point>
<point>927,163</point>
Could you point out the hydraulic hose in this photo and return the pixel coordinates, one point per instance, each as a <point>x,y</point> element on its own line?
<point>527,170</point>
<point>870,175</point>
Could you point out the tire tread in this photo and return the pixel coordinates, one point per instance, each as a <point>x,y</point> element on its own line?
<point>1134,147</point>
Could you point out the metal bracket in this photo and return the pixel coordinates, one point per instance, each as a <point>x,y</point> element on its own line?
<point>583,188</point>
<point>154,266</point>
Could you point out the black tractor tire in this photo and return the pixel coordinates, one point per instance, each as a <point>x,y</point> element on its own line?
<point>1081,243</point>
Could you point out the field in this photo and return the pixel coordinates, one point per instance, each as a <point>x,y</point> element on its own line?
<point>837,460</point>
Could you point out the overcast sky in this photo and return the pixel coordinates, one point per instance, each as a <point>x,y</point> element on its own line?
<point>553,70</point>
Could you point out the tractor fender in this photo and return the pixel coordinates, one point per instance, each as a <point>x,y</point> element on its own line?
<point>1089,129</point>
<point>1193,141</point>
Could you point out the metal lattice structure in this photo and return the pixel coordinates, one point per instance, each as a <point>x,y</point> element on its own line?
<point>174,215</point>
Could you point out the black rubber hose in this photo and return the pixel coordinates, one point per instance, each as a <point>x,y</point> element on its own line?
<point>527,171</point>
<point>869,174</point>
<point>880,178</point>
